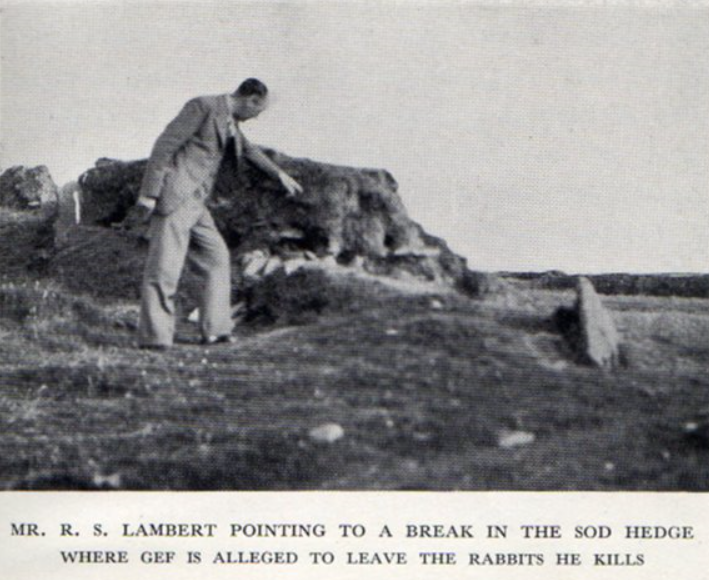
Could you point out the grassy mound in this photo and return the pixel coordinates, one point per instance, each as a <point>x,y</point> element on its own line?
<point>100,262</point>
<point>424,383</point>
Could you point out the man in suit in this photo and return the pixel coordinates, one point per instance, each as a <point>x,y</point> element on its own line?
<point>178,179</point>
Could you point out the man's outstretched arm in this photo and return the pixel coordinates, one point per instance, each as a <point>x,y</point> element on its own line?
<point>254,154</point>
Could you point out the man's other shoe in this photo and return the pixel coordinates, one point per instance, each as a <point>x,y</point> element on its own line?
<point>154,347</point>
<point>223,339</point>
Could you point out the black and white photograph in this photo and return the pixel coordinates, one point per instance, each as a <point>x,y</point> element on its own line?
<point>354,246</point>
<point>337,288</point>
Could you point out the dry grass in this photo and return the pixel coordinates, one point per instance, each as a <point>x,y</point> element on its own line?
<point>422,386</point>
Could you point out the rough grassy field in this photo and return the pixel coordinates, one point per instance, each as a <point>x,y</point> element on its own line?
<point>424,384</point>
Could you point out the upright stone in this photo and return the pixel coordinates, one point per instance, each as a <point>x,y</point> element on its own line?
<point>68,214</point>
<point>599,340</point>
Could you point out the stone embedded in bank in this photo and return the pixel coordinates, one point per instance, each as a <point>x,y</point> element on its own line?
<point>68,213</point>
<point>327,433</point>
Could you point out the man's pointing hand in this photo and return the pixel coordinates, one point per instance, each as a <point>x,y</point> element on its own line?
<point>291,185</point>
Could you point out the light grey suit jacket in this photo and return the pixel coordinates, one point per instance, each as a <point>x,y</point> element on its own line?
<point>186,157</point>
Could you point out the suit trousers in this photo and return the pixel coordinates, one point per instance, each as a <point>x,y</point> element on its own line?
<point>187,234</point>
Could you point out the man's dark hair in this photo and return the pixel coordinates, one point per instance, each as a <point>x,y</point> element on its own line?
<point>252,87</point>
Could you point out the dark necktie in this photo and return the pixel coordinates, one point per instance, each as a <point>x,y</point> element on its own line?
<point>238,141</point>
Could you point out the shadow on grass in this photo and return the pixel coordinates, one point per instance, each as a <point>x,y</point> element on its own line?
<point>264,462</point>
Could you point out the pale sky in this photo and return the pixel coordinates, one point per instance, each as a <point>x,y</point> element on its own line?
<point>530,138</point>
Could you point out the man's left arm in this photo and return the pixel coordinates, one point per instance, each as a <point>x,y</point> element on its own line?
<point>254,154</point>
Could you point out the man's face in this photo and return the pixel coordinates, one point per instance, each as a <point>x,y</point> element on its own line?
<point>249,107</point>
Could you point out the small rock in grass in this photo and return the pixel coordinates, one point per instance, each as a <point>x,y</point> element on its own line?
<point>291,234</point>
<point>326,433</point>
<point>294,265</point>
<point>422,437</point>
<point>357,262</point>
<point>273,264</point>
<point>436,304</point>
<point>697,431</point>
<point>411,464</point>
<point>509,439</point>
<point>253,263</point>
<point>112,481</point>
<point>238,310</point>
<point>329,261</point>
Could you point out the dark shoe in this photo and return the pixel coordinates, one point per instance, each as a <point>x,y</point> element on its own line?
<point>155,347</point>
<point>223,339</point>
